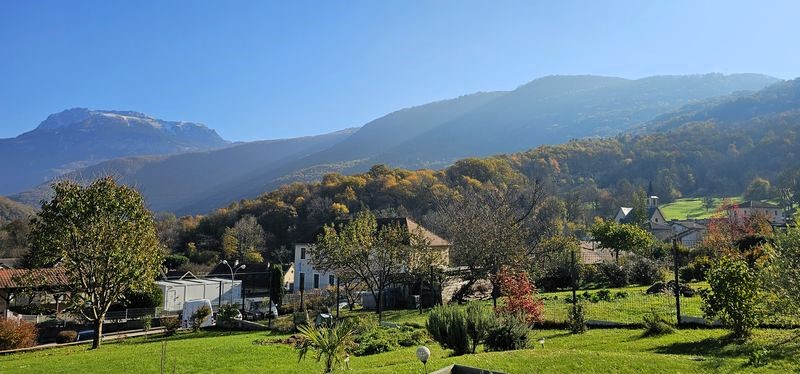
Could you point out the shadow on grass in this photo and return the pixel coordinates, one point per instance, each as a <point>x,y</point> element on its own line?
<point>727,347</point>
<point>722,347</point>
<point>184,335</point>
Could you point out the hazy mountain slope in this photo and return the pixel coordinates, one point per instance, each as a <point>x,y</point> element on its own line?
<point>11,210</point>
<point>778,98</point>
<point>81,137</point>
<point>558,108</point>
<point>170,182</point>
<point>377,135</point>
<point>549,110</point>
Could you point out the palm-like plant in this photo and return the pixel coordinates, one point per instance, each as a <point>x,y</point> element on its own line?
<point>330,344</point>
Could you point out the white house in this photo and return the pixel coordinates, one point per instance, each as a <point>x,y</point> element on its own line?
<point>688,232</point>
<point>307,278</point>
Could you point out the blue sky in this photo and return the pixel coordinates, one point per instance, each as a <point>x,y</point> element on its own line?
<point>262,70</point>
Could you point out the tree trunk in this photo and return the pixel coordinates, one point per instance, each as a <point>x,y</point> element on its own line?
<point>98,332</point>
<point>495,293</point>
<point>380,305</point>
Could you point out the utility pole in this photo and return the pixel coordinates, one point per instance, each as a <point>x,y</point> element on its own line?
<point>573,275</point>
<point>337,297</point>
<point>677,281</point>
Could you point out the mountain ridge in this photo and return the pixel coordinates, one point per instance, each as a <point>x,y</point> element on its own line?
<point>548,110</point>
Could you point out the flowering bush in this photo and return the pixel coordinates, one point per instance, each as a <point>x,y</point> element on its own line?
<point>522,298</point>
<point>16,334</point>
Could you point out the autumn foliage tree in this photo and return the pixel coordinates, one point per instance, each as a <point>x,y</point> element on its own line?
<point>104,237</point>
<point>522,298</point>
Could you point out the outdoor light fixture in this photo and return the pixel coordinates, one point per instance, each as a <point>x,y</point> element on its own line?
<point>236,267</point>
<point>423,354</point>
<point>541,341</point>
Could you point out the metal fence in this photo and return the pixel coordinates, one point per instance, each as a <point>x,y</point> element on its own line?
<point>620,289</point>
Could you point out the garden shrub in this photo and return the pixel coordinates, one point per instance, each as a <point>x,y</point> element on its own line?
<point>199,316</point>
<point>522,298</point>
<point>227,313</point>
<point>696,270</point>
<point>362,323</point>
<point>510,333</point>
<point>735,296</point>
<point>283,325</point>
<point>758,357</point>
<point>66,336</point>
<point>603,295</point>
<point>151,297</point>
<point>171,325</point>
<point>644,271</point>
<point>479,321</point>
<point>577,319</point>
<point>655,324</point>
<point>375,341</point>
<point>147,322</point>
<point>614,275</point>
<point>385,339</point>
<point>17,334</point>
<point>448,326</point>
<point>413,338</point>
<point>175,261</point>
<point>620,295</point>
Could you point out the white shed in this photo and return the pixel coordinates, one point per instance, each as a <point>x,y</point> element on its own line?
<point>219,291</point>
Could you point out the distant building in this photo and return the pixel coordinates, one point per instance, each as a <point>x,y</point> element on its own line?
<point>688,233</point>
<point>657,224</point>
<point>749,208</point>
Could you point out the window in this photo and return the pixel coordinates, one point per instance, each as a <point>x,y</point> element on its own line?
<point>331,280</point>
<point>302,253</point>
<point>302,281</point>
<point>316,280</point>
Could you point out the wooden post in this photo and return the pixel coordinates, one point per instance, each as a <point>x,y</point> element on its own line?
<point>677,281</point>
<point>573,275</point>
<point>337,298</point>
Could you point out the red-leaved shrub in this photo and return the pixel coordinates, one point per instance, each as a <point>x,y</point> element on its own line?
<point>17,334</point>
<point>522,298</point>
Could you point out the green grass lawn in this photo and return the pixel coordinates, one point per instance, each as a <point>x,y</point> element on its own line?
<point>600,351</point>
<point>693,207</point>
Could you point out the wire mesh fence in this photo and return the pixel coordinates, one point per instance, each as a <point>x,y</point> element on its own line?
<point>622,288</point>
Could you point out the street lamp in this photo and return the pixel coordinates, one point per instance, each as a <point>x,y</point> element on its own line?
<point>236,267</point>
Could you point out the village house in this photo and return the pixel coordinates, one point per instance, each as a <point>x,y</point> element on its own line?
<point>308,278</point>
<point>657,224</point>
<point>749,208</point>
<point>21,287</point>
<point>689,232</point>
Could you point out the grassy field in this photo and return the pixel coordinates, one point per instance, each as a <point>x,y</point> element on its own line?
<point>693,207</point>
<point>628,310</point>
<point>600,351</point>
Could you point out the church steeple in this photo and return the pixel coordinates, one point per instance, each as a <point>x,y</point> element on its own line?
<point>650,191</point>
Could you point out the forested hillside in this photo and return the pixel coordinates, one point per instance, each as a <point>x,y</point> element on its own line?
<point>11,210</point>
<point>548,110</point>
<point>718,155</point>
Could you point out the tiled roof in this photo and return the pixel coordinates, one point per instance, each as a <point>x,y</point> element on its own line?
<point>20,278</point>
<point>756,204</point>
<point>404,222</point>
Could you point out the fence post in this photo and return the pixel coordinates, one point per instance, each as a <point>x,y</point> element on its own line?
<point>573,274</point>
<point>677,280</point>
